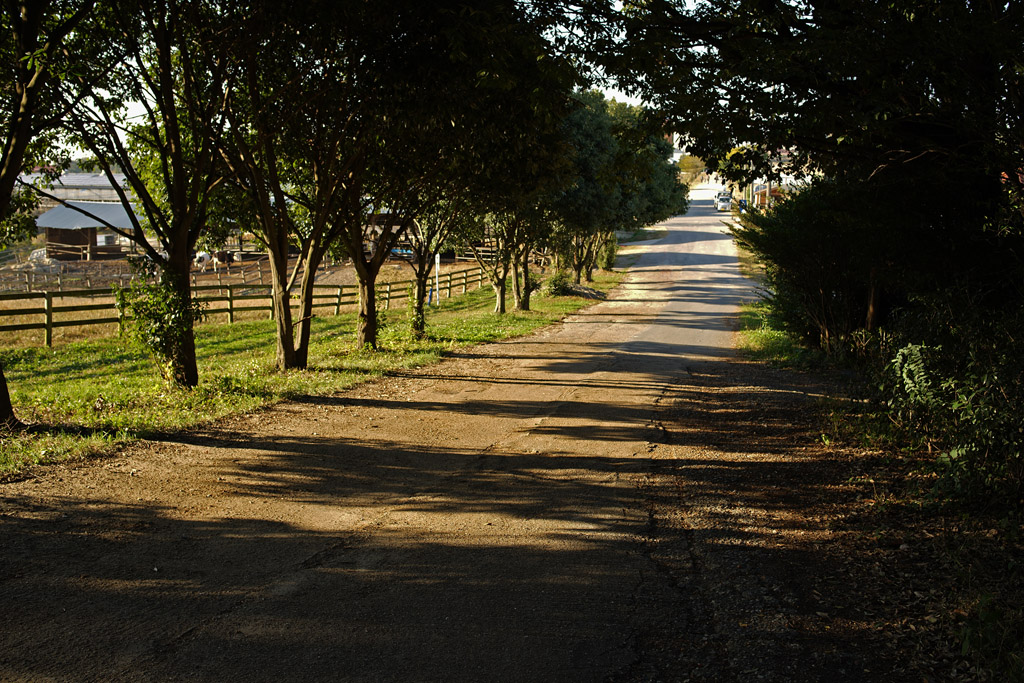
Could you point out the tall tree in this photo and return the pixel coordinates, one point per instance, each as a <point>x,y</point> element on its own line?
<point>587,206</point>
<point>495,244</point>
<point>297,163</point>
<point>927,121</point>
<point>436,227</point>
<point>397,102</point>
<point>489,125</point>
<point>622,179</point>
<point>167,153</point>
<point>651,185</point>
<point>935,101</point>
<point>40,42</point>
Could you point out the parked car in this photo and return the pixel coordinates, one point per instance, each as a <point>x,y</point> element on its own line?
<point>723,202</point>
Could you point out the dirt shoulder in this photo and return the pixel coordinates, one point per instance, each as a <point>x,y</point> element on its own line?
<point>387,533</point>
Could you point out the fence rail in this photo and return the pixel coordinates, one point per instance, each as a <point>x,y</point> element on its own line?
<point>15,254</point>
<point>227,299</point>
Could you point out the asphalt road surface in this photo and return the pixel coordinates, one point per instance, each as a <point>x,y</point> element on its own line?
<point>484,519</point>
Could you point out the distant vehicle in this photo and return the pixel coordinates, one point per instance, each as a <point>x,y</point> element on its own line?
<point>723,202</point>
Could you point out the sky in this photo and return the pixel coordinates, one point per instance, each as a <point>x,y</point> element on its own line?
<point>620,96</point>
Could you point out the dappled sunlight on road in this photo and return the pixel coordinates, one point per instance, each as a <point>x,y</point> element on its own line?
<point>491,513</point>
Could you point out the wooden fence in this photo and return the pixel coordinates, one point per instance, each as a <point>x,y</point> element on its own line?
<point>228,299</point>
<point>78,275</point>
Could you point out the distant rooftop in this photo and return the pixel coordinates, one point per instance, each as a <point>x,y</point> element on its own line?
<point>68,218</point>
<point>78,180</point>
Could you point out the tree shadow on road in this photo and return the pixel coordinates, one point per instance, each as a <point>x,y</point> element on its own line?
<point>761,496</point>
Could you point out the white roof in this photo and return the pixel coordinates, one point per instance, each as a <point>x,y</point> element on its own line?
<point>80,180</point>
<point>69,219</point>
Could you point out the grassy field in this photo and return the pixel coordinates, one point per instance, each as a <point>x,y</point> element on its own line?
<point>89,396</point>
<point>763,339</point>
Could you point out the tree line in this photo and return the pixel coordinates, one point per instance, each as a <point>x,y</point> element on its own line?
<point>325,129</point>
<point>901,251</point>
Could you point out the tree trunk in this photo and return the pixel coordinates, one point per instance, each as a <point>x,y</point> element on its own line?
<point>871,319</point>
<point>498,285</point>
<point>182,369</point>
<point>517,285</point>
<point>305,324</point>
<point>366,330</point>
<point>282,311</point>
<point>524,302</point>
<point>7,417</point>
<point>419,317</point>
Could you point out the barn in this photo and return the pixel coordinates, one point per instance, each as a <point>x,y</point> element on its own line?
<point>76,231</point>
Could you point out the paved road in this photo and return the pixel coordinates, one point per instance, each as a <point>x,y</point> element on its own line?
<point>483,519</point>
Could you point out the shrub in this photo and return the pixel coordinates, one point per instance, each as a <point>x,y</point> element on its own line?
<point>962,394</point>
<point>559,284</point>
<point>159,318</point>
<point>824,268</point>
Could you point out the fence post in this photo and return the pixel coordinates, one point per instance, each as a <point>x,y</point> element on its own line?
<point>49,318</point>
<point>231,303</point>
<point>387,296</point>
<point>337,304</point>
<point>448,284</point>
<point>462,276</point>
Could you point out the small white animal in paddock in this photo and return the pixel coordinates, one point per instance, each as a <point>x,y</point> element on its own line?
<point>202,260</point>
<point>224,258</point>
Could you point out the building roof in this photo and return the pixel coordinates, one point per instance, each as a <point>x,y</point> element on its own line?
<point>67,218</point>
<point>78,180</point>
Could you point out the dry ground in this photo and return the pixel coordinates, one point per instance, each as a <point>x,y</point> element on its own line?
<point>615,498</point>
<point>386,535</point>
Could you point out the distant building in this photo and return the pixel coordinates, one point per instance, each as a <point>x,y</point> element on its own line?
<point>678,146</point>
<point>77,234</point>
<point>89,187</point>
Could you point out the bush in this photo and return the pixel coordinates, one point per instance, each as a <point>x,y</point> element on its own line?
<point>962,394</point>
<point>160,319</point>
<point>824,266</point>
<point>559,284</point>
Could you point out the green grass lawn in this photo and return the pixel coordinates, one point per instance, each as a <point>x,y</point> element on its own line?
<point>87,397</point>
<point>643,235</point>
<point>762,339</point>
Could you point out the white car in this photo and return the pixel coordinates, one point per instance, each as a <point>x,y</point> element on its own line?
<point>723,202</point>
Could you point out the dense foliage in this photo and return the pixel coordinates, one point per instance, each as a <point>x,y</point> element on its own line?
<point>902,252</point>
<point>322,128</point>
<point>619,177</point>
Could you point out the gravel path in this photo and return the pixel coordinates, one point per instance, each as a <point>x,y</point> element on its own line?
<point>613,498</point>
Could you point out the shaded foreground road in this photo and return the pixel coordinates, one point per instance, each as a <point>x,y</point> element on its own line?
<point>514,513</point>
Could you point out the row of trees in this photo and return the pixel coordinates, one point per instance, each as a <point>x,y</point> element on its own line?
<point>905,250</point>
<point>617,176</point>
<point>322,127</point>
